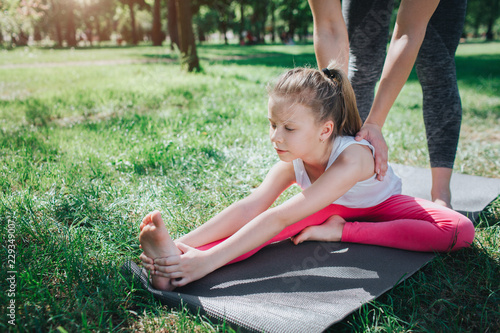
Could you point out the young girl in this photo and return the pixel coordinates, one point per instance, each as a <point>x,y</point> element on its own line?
<point>313,118</point>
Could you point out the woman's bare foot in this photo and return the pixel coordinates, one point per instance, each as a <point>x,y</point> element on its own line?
<point>156,243</point>
<point>329,231</point>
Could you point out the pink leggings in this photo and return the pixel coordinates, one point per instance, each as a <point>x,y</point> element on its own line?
<point>400,222</point>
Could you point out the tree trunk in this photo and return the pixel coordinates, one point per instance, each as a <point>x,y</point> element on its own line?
<point>489,32</point>
<point>70,26</point>
<point>493,10</point>
<point>59,33</point>
<point>89,33</point>
<point>132,21</point>
<point>156,34</point>
<point>242,20</point>
<point>187,45</point>
<point>201,35</point>
<point>22,38</point>
<point>223,26</point>
<point>37,33</point>
<point>273,22</point>
<point>172,23</point>
<point>98,32</point>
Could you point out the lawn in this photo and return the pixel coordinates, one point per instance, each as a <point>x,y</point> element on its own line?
<point>93,139</point>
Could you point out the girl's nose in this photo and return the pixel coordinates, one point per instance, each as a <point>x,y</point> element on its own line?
<point>275,136</point>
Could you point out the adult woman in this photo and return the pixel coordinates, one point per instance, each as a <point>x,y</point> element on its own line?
<point>426,34</point>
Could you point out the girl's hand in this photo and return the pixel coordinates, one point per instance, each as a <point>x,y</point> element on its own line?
<point>190,266</point>
<point>373,134</point>
<point>147,263</point>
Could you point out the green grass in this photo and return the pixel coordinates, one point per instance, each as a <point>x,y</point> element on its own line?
<point>87,149</point>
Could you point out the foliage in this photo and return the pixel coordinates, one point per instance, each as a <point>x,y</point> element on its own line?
<point>86,22</point>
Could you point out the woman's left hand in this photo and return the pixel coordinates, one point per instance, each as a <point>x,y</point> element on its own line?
<point>190,266</point>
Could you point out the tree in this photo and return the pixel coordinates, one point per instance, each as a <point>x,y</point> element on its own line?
<point>297,15</point>
<point>172,25</point>
<point>156,33</point>
<point>482,14</point>
<point>187,45</point>
<point>206,21</point>
<point>223,7</point>
<point>18,18</point>
<point>133,27</point>
<point>492,17</point>
<point>70,23</point>
<point>259,18</point>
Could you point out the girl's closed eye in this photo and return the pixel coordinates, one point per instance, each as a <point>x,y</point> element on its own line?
<point>289,129</point>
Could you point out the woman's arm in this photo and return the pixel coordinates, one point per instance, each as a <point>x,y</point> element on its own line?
<point>231,219</point>
<point>409,32</point>
<point>353,165</point>
<point>330,33</point>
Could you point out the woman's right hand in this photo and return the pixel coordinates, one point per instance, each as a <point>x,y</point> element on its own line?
<point>373,134</point>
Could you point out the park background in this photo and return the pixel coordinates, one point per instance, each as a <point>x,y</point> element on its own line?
<point>98,127</point>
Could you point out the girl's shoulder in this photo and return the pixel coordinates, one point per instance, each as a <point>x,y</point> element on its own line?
<point>341,143</point>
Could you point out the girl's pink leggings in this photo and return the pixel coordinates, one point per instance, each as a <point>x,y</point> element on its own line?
<point>400,222</point>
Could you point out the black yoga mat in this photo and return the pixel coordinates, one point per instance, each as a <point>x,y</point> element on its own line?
<point>470,194</point>
<point>288,288</point>
<point>307,288</point>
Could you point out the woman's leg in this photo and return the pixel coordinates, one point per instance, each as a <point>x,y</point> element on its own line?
<point>368,29</point>
<point>442,108</point>
<point>414,224</point>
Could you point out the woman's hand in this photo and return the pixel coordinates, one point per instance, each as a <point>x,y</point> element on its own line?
<point>373,134</point>
<point>190,266</point>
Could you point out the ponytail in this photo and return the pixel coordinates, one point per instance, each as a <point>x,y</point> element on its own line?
<point>345,111</point>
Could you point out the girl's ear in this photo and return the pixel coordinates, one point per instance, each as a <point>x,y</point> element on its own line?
<point>327,130</point>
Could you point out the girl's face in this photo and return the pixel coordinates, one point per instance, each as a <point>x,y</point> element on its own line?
<point>294,131</point>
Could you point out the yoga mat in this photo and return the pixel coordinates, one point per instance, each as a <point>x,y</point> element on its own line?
<point>307,288</point>
<point>469,194</point>
<point>288,288</point>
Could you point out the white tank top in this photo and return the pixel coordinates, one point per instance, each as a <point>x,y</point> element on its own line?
<point>367,193</point>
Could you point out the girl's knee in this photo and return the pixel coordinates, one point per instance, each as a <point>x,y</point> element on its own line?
<point>463,234</point>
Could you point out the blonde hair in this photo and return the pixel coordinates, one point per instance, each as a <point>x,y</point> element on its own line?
<point>327,93</point>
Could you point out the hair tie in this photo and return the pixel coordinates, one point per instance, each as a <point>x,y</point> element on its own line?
<point>332,76</point>
<point>327,72</point>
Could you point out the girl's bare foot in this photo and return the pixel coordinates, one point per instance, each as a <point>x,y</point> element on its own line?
<point>156,243</point>
<point>329,231</point>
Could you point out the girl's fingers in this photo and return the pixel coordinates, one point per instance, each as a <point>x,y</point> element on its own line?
<point>176,275</point>
<point>149,267</point>
<point>168,261</point>
<point>167,269</point>
<point>145,259</point>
